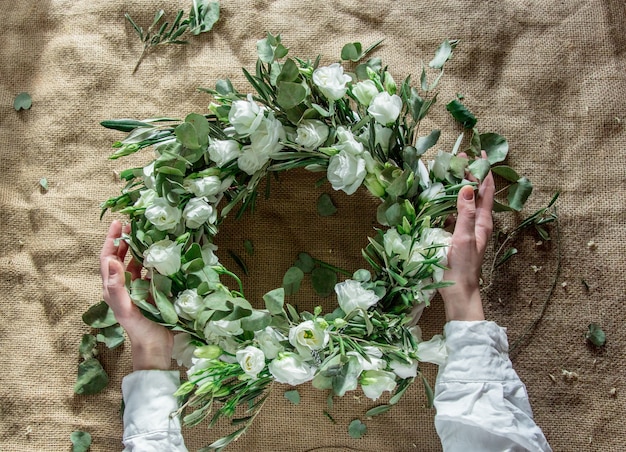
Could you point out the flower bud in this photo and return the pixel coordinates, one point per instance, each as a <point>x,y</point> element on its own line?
<point>210,351</point>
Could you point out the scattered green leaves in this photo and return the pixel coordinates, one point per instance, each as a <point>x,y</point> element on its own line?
<point>325,206</point>
<point>91,377</point>
<point>357,429</point>
<point>22,101</point>
<point>249,247</point>
<point>462,114</point>
<point>43,183</point>
<point>292,280</point>
<point>595,335</point>
<point>293,396</point>
<point>80,441</point>
<point>323,280</point>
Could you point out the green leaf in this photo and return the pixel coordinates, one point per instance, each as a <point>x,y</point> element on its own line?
<point>249,247</point>
<point>595,335</point>
<point>124,125</point>
<point>225,441</point>
<point>325,206</point>
<point>87,346</point>
<point>380,409</point>
<point>351,51</point>
<point>518,193</point>
<point>112,336</point>
<point>80,441</point>
<point>201,126</point>
<point>293,396</point>
<point>165,306</point>
<point>290,94</point>
<point>357,429</point>
<point>461,114</point>
<point>240,263</point>
<point>275,300</point>
<point>305,262</point>
<point>292,279</point>
<point>506,172</point>
<point>224,87</point>
<point>43,183</point>
<point>323,281</point>
<point>479,168</point>
<point>187,135</point>
<point>506,256</point>
<point>425,143</point>
<point>289,72</point>
<point>256,321</point>
<point>203,15</point>
<point>430,395</point>
<point>99,316</point>
<point>22,101</point>
<point>495,145</point>
<point>91,377</point>
<point>442,54</point>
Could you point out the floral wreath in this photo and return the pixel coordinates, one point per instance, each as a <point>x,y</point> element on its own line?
<point>359,128</point>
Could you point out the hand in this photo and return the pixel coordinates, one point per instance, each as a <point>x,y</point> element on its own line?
<point>151,343</point>
<point>471,233</point>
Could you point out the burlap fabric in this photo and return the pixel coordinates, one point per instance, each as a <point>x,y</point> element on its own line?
<point>550,76</point>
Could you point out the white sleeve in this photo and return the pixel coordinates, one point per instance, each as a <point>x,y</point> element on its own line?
<point>148,404</point>
<point>481,403</point>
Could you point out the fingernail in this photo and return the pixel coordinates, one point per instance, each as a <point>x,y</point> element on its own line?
<point>468,194</point>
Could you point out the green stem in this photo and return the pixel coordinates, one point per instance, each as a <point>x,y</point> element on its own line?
<point>332,267</point>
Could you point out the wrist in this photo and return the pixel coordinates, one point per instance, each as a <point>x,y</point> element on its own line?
<point>147,357</point>
<point>463,305</point>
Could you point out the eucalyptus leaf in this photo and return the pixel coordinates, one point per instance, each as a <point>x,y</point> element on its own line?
<point>479,168</point>
<point>325,206</point>
<point>289,72</point>
<point>275,301</point>
<point>357,429</point>
<point>43,183</point>
<point>380,409</point>
<point>80,441</point>
<point>351,51</point>
<point>165,306</point>
<point>187,135</point>
<point>292,280</point>
<point>506,172</point>
<point>91,377</point>
<point>22,101</point>
<point>461,113</point>
<point>323,281</point>
<point>203,16</point>
<point>595,335</point>
<point>305,263</point>
<point>442,54</point>
<point>290,94</point>
<point>256,321</point>
<point>293,396</point>
<point>112,336</point>
<point>87,346</point>
<point>518,193</point>
<point>495,146</point>
<point>99,316</point>
<point>425,143</point>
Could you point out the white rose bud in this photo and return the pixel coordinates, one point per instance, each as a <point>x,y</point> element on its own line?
<point>223,151</point>
<point>208,254</point>
<point>163,256</point>
<point>311,133</point>
<point>148,176</point>
<point>197,212</point>
<point>162,215</point>
<point>146,197</point>
<point>385,108</point>
<point>396,244</point>
<point>223,328</point>
<point>203,186</point>
<point>375,382</point>
<point>189,304</point>
<point>365,92</point>
<point>251,360</point>
<point>270,341</point>
<point>346,171</point>
<point>351,295</point>
<point>290,368</point>
<point>245,116</point>
<point>331,81</point>
<point>183,350</point>
<point>264,142</point>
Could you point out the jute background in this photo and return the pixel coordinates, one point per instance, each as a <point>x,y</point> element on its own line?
<point>550,76</point>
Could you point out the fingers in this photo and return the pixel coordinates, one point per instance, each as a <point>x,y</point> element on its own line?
<point>466,219</point>
<point>134,268</point>
<point>484,208</point>
<point>123,245</point>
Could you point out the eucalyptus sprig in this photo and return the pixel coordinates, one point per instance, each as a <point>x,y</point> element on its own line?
<point>201,18</point>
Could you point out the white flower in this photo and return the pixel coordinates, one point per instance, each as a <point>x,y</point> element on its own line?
<point>264,142</point>
<point>351,295</point>
<point>245,115</point>
<point>189,304</point>
<point>373,361</point>
<point>435,191</point>
<point>346,171</point>
<point>404,370</point>
<point>308,335</point>
<point>311,133</point>
<point>146,198</point>
<point>207,186</point>
<point>223,328</point>
<point>385,108</point>
<point>423,173</point>
<point>197,212</point>
<point>375,382</point>
<point>433,351</point>
<point>291,368</point>
<point>269,341</point>
<point>382,135</point>
<point>164,256</point>
<point>347,142</point>
<point>223,151</point>
<point>251,360</point>
<point>162,215</point>
<point>396,244</point>
<point>208,254</point>
<point>183,349</point>
<point>331,81</point>
<point>365,92</point>
<point>148,176</point>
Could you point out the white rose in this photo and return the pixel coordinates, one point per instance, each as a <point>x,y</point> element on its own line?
<point>269,341</point>
<point>189,304</point>
<point>264,142</point>
<point>351,295</point>
<point>251,360</point>
<point>365,92</point>
<point>331,81</point>
<point>223,151</point>
<point>290,368</point>
<point>375,382</point>
<point>347,142</point>
<point>197,212</point>
<point>146,198</point>
<point>183,349</point>
<point>208,254</point>
<point>308,335</point>
<point>164,256</point>
<point>245,116</point>
<point>385,108</point>
<point>433,351</point>
<point>162,215</point>
<point>203,186</point>
<point>396,244</point>
<point>373,361</point>
<point>148,176</point>
<point>404,370</point>
<point>311,133</point>
<point>346,171</point>
<point>382,136</point>
<point>223,328</point>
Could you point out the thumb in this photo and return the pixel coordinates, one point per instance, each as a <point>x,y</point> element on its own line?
<point>115,277</point>
<point>466,206</point>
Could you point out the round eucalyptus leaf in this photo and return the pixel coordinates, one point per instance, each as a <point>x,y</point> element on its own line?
<point>22,101</point>
<point>80,441</point>
<point>357,429</point>
<point>323,280</point>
